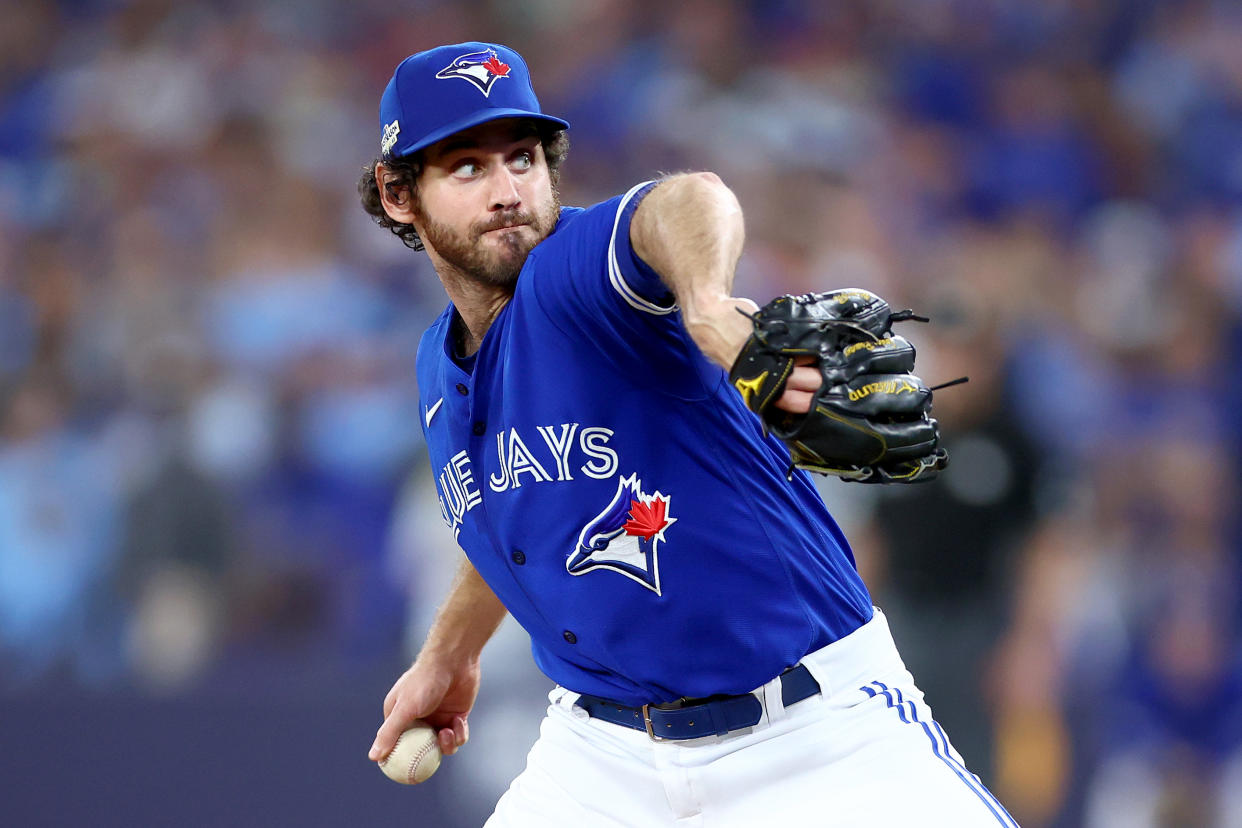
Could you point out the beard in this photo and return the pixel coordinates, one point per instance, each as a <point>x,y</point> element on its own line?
<point>497,266</point>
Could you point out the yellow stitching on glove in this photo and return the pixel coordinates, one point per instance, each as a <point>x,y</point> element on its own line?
<point>832,415</point>
<point>777,386</point>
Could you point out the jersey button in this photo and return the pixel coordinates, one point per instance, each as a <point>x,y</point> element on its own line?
<point>518,556</point>
<point>479,428</point>
<point>569,636</point>
<point>462,389</point>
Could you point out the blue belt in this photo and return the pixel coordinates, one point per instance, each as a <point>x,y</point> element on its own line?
<point>695,718</point>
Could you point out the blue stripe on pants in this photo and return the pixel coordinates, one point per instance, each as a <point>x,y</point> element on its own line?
<point>944,755</point>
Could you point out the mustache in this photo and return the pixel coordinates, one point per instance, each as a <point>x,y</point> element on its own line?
<point>508,218</point>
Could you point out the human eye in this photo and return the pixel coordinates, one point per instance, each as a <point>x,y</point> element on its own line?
<point>465,168</point>
<point>523,160</point>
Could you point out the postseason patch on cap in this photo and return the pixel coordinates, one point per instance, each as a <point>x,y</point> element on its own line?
<point>391,131</point>
<point>482,69</point>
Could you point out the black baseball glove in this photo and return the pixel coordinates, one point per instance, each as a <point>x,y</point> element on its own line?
<point>870,420</point>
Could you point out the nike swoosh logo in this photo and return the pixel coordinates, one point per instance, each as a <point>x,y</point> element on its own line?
<point>431,412</point>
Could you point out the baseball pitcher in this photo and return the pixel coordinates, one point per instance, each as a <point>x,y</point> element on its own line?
<point>620,448</point>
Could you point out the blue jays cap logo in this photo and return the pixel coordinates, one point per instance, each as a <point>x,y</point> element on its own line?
<point>480,68</point>
<point>625,536</point>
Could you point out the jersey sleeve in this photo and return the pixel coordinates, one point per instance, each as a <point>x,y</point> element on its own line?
<point>593,289</point>
<point>588,265</point>
<point>631,277</point>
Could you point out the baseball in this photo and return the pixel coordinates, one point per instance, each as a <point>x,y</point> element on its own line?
<point>415,757</point>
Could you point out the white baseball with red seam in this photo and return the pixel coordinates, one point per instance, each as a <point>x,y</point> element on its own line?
<point>415,757</point>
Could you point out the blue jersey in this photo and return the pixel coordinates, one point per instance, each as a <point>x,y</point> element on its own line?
<point>613,490</point>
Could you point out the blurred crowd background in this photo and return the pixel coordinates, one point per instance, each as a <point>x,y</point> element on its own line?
<point>218,541</point>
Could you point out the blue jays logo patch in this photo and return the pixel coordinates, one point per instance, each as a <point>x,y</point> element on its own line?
<point>480,68</point>
<point>625,536</point>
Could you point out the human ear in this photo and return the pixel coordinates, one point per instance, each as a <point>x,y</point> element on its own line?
<point>397,198</point>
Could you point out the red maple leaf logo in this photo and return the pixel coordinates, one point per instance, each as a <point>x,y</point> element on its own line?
<point>646,519</point>
<point>493,65</point>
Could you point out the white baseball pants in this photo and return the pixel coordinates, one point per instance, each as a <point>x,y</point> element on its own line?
<point>866,752</point>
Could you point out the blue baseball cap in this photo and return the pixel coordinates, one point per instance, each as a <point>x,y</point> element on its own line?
<point>442,91</point>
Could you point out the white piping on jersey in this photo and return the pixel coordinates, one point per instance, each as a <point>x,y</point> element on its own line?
<point>614,269</point>
<point>431,411</point>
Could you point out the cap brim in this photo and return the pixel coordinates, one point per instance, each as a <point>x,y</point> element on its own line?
<point>472,120</point>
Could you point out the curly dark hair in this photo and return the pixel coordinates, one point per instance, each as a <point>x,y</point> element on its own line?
<point>555,147</point>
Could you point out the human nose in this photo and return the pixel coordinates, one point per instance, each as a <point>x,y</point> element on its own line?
<point>504,194</point>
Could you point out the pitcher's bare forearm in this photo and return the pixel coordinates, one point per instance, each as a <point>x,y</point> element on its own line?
<point>690,230</point>
<point>441,685</point>
<point>466,620</point>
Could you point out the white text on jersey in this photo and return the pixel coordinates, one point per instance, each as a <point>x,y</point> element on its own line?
<point>516,459</point>
<point>459,491</point>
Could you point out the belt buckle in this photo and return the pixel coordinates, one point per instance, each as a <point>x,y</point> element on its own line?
<point>647,725</point>
<point>673,705</point>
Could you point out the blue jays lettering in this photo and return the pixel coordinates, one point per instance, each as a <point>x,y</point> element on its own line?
<point>624,536</point>
<point>560,453</point>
